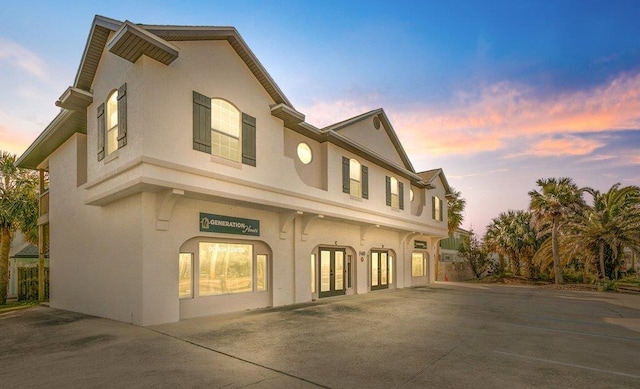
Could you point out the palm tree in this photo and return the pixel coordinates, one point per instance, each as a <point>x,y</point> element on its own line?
<point>498,238</point>
<point>510,234</point>
<point>455,208</point>
<point>557,200</point>
<point>610,225</point>
<point>18,209</point>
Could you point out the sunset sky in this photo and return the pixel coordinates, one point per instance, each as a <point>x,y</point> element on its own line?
<point>497,93</point>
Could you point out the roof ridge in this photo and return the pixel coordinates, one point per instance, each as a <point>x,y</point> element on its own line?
<point>341,124</point>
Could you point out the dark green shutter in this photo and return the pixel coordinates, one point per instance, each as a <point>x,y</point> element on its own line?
<point>441,210</point>
<point>346,177</point>
<point>248,140</point>
<point>201,123</point>
<point>122,116</point>
<point>388,189</point>
<point>101,131</point>
<point>365,182</point>
<point>401,194</point>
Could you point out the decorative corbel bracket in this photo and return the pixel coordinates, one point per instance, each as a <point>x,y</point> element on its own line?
<point>364,230</point>
<point>307,220</point>
<point>286,219</point>
<point>406,238</point>
<point>167,200</point>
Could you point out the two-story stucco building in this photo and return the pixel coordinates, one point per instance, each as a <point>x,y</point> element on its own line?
<point>182,182</point>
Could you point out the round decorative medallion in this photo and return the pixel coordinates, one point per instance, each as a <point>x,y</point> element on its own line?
<point>376,122</point>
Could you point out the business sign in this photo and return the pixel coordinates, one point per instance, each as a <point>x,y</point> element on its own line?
<point>229,225</point>
<point>418,244</point>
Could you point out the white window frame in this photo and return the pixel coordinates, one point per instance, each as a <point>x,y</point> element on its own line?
<point>111,131</point>
<point>395,193</point>
<point>223,116</point>
<point>355,178</point>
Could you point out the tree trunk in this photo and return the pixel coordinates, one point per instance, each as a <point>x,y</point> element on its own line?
<point>585,278</point>
<point>602,268</point>
<point>556,255</point>
<point>5,245</point>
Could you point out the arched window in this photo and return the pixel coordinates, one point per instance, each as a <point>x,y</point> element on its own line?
<point>225,130</point>
<point>112,122</point>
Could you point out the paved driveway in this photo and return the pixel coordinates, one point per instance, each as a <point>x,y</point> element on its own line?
<point>444,335</point>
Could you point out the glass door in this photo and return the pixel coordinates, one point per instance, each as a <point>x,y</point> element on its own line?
<point>380,270</point>
<point>332,272</point>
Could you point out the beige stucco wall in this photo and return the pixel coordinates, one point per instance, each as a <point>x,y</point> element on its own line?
<point>113,257</point>
<point>160,129</point>
<point>95,251</point>
<point>376,140</point>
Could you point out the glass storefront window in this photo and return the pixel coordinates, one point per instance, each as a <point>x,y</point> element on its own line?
<point>225,268</point>
<point>261,272</point>
<point>417,265</point>
<point>313,273</point>
<point>374,269</point>
<point>185,280</point>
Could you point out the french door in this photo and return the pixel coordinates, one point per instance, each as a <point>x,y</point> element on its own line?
<point>380,270</point>
<point>332,275</point>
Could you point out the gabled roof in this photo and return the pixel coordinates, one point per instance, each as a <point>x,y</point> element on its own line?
<point>28,251</point>
<point>130,41</point>
<point>147,38</point>
<point>391,133</point>
<point>429,176</point>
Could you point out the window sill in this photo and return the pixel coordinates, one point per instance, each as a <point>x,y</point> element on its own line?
<point>226,162</point>
<point>111,157</point>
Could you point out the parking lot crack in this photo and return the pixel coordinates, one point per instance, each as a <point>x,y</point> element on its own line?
<point>239,359</point>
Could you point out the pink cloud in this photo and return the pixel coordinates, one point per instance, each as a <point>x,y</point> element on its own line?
<point>22,58</point>
<point>499,114</point>
<point>325,113</point>
<point>563,145</point>
<point>12,141</point>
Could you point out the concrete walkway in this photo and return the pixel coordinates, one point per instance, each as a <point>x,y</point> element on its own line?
<point>445,335</point>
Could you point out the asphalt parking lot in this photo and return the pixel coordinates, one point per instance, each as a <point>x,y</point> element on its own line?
<point>445,335</point>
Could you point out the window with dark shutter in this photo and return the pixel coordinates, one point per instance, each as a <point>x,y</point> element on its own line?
<point>401,195</point>
<point>248,140</point>
<point>433,207</point>
<point>365,182</point>
<point>388,189</point>
<point>201,123</point>
<point>346,178</point>
<point>122,116</point>
<point>101,131</point>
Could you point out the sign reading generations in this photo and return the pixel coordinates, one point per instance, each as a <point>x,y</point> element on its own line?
<point>419,244</point>
<point>229,225</point>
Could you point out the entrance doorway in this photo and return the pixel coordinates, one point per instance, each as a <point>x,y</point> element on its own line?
<point>381,270</point>
<point>332,277</point>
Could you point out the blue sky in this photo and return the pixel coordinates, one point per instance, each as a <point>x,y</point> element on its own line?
<point>497,93</point>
